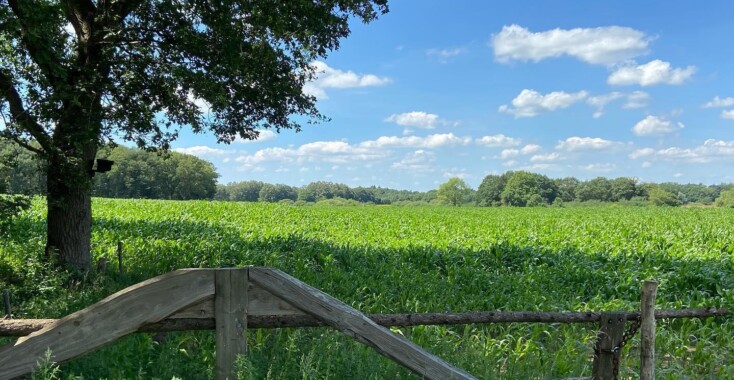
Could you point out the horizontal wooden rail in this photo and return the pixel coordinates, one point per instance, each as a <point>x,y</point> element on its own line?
<point>22,327</point>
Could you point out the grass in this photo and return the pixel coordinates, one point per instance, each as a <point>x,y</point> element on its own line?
<point>404,259</point>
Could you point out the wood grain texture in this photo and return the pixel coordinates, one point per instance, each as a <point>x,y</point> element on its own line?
<point>114,317</point>
<point>355,324</point>
<point>647,331</point>
<point>606,358</point>
<point>230,310</point>
<point>190,319</point>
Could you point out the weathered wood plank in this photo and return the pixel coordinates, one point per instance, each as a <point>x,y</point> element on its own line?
<point>262,302</point>
<point>354,324</point>
<point>108,320</point>
<point>606,357</point>
<point>230,310</point>
<point>647,331</point>
<point>22,327</point>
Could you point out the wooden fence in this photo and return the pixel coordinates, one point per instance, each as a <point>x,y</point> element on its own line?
<point>232,300</point>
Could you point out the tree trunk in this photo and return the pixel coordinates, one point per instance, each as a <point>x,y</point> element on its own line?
<point>69,199</point>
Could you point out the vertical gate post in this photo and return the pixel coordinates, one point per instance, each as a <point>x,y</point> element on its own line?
<point>647,331</point>
<point>230,312</point>
<point>607,354</point>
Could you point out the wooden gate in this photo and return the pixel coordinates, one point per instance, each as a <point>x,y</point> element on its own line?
<point>227,295</point>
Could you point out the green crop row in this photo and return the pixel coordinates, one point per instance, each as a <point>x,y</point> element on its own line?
<point>383,259</point>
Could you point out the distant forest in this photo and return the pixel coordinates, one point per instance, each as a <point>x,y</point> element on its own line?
<point>142,174</point>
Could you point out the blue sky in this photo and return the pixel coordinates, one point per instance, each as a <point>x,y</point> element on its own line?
<point>437,89</point>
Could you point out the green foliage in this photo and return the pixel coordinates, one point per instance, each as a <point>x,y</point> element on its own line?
<point>46,369</point>
<point>660,197</point>
<point>387,259</point>
<point>522,186</point>
<point>142,174</point>
<point>276,193</point>
<point>454,192</point>
<point>725,199</point>
<point>21,172</point>
<point>567,188</point>
<point>11,206</point>
<point>597,189</point>
<point>623,188</point>
<point>490,190</point>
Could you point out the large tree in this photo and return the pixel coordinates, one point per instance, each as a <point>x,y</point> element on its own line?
<point>77,73</point>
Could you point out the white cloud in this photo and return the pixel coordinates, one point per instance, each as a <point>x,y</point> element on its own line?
<point>545,157</point>
<point>727,114</point>
<point>646,164</point>
<point>417,119</point>
<point>656,126</point>
<point>600,101</point>
<point>445,54</point>
<point>203,151</point>
<point>530,148</point>
<point>418,161</point>
<point>585,143</point>
<point>644,152</point>
<point>497,141</point>
<point>319,151</point>
<point>603,45</point>
<point>651,73</point>
<point>711,150</point>
<point>430,141</point>
<point>527,149</point>
<point>530,103</point>
<point>637,99</point>
<point>263,135</point>
<point>328,77</point>
<point>600,168</point>
<point>717,102</point>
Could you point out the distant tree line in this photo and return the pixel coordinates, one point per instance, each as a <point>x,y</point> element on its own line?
<point>142,174</point>
<point>135,174</point>
<point>254,191</point>
<point>521,188</point>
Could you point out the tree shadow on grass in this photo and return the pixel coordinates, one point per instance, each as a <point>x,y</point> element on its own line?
<point>412,278</point>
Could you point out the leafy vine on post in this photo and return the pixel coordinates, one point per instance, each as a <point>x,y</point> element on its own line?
<point>77,74</point>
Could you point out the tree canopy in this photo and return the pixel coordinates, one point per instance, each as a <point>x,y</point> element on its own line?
<point>77,73</point>
<point>454,191</point>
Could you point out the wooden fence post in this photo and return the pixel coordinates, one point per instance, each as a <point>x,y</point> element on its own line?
<point>230,313</point>
<point>647,331</point>
<point>120,268</point>
<point>606,353</point>
<point>6,301</point>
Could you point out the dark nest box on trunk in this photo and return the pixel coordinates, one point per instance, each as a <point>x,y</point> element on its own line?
<point>103,166</point>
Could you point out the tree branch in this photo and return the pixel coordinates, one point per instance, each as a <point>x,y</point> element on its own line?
<point>38,47</point>
<point>116,11</point>
<point>18,112</point>
<point>80,14</point>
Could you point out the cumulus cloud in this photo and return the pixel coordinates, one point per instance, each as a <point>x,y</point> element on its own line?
<point>545,157</point>
<point>727,114</point>
<point>418,161</point>
<point>530,103</point>
<point>600,168</point>
<point>527,149</point>
<point>430,141</point>
<point>656,126</point>
<point>603,45</point>
<point>498,141</point>
<point>650,74</point>
<point>418,119</point>
<point>644,152</point>
<point>711,150</point>
<point>585,143</point>
<point>637,99</point>
<point>718,102</point>
<point>328,77</point>
<point>262,136</point>
<point>203,151</point>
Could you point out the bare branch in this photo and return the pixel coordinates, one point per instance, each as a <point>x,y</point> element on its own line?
<point>22,143</point>
<point>11,95</point>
